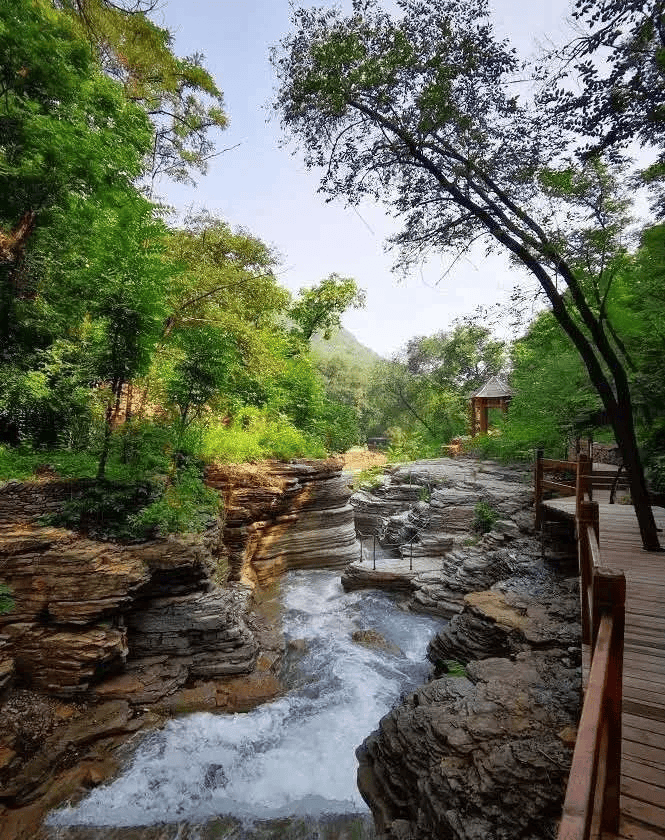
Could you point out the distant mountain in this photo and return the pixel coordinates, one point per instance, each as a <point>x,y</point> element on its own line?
<point>344,345</point>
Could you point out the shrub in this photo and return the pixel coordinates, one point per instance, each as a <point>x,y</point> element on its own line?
<point>484,517</point>
<point>6,601</point>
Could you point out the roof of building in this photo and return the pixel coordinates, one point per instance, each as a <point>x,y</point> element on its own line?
<point>494,388</point>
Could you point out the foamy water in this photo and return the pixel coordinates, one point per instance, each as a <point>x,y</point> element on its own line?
<point>294,756</point>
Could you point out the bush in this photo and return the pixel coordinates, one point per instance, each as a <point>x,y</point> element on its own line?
<point>254,435</point>
<point>186,505</point>
<point>484,518</point>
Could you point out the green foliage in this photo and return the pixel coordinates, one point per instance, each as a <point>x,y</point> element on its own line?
<point>186,505</point>
<point>180,95</point>
<point>6,601</point>
<point>484,517</point>
<point>255,434</point>
<point>140,509</point>
<point>452,668</point>
<point>319,309</point>
<point>103,509</point>
<point>369,478</point>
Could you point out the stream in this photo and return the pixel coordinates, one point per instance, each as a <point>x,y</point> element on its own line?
<point>288,768</point>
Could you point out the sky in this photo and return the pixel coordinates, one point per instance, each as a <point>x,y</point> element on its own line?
<point>261,185</point>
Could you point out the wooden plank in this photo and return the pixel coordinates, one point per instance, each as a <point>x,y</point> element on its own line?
<point>558,487</point>
<point>635,707</point>
<point>646,773</point>
<point>640,723</point>
<point>648,812</point>
<point>636,789</point>
<point>643,752</point>
<point>641,736</point>
<point>551,464</point>
<point>629,829</point>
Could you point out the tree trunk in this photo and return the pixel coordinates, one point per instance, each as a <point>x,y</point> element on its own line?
<point>624,432</point>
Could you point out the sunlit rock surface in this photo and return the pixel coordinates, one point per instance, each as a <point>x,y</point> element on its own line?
<point>285,516</point>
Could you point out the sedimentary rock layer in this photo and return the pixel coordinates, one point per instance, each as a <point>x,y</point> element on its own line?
<point>285,516</point>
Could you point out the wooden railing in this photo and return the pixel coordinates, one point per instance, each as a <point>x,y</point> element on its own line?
<point>592,802</point>
<point>586,479</point>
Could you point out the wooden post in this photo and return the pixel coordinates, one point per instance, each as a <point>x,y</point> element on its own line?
<point>538,489</point>
<point>587,515</point>
<point>484,419</point>
<point>609,597</point>
<point>582,481</point>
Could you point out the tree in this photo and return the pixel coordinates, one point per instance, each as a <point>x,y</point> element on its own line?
<point>463,358</point>
<point>66,131</point>
<point>420,112</point>
<point>320,308</point>
<point>179,94</point>
<point>618,61</point>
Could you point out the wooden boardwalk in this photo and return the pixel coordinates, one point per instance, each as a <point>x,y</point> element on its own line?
<point>643,719</point>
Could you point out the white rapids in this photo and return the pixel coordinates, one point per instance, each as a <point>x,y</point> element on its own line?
<point>294,756</point>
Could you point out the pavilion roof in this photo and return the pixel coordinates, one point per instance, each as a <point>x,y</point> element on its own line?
<point>493,388</point>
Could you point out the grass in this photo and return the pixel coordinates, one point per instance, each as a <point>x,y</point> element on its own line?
<point>23,463</point>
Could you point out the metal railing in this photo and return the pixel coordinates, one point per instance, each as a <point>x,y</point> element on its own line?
<point>398,545</point>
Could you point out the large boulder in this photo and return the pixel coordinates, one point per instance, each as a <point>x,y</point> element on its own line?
<point>475,757</point>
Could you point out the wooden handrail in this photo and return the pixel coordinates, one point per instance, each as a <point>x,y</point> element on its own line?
<point>592,804</point>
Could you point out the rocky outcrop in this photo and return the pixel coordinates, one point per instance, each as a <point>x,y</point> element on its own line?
<point>485,755</point>
<point>73,597</point>
<point>373,508</point>
<point>152,615</point>
<point>475,757</point>
<point>284,516</point>
<point>206,632</point>
<point>509,619</point>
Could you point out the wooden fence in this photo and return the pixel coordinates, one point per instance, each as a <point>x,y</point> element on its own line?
<point>592,802</point>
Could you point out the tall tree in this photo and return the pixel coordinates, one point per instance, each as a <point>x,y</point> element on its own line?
<point>179,94</point>
<point>419,111</point>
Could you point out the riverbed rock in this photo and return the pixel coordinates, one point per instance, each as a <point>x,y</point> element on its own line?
<point>474,758</point>
<point>504,621</point>
<point>472,568</point>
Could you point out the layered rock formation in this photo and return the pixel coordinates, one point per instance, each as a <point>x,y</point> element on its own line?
<point>284,516</point>
<point>153,615</point>
<point>475,757</point>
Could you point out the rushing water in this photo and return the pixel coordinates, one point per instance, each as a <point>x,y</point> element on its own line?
<point>294,756</point>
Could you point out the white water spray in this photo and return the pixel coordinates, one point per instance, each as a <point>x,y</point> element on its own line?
<point>294,756</point>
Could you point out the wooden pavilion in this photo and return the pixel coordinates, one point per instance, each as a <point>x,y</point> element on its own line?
<point>494,394</point>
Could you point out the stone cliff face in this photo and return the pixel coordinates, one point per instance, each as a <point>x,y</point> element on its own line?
<point>147,618</point>
<point>285,516</point>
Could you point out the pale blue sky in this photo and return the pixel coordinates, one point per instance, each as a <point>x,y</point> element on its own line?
<point>265,189</point>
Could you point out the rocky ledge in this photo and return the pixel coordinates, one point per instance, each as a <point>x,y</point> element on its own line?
<point>485,754</point>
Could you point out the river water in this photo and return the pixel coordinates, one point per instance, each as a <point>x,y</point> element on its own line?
<point>293,757</point>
